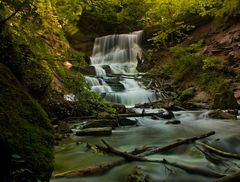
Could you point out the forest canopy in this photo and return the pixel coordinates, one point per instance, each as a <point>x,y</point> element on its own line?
<point>28,19</point>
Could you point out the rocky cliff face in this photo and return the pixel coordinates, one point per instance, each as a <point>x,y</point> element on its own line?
<point>223,41</point>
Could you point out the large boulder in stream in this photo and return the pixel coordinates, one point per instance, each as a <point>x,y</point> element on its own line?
<point>26,136</point>
<point>225,100</point>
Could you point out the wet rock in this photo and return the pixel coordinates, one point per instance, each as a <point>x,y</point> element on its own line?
<point>137,176</point>
<point>163,114</point>
<point>87,70</point>
<point>166,115</point>
<point>115,84</point>
<point>219,114</point>
<point>175,121</point>
<point>120,108</point>
<point>104,131</point>
<point>126,122</point>
<point>107,69</point>
<point>225,100</point>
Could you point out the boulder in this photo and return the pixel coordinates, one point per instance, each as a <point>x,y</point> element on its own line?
<point>104,131</point>
<point>219,114</point>
<point>166,115</point>
<point>225,100</point>
<point>120,108</point>
<point>175,121</point>
<point>137,176</point>
<point>126,122</point>
<point>87,70</point>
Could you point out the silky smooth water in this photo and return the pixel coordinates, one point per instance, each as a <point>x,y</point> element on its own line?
<point>115,57</point>
<point>151,132</point>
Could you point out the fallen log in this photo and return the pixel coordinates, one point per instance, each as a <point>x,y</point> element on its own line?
<point>219,152</point>
<point>92,170</point>
<point>176,144</point>
<point>137,155</point>
<point>188,169</point>
<point>112,116</point>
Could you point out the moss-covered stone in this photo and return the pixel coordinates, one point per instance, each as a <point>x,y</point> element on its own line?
<point>187,94</point>
<point>26,136</point>
<point>225,100</point>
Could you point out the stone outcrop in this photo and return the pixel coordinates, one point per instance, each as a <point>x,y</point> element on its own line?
<point>225,100</point>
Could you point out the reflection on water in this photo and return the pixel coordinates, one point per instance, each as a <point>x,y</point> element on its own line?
<point>154,133</point>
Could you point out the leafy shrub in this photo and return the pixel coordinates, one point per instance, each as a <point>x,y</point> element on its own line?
<point>212,81</point>
<point>186,94</point>
<point>210,62</point>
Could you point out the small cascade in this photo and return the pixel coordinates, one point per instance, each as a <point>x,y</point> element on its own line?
<point>115,58</point>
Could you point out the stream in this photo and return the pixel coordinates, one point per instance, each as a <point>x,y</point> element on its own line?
<point>114,56</point>
<point>151,132</point>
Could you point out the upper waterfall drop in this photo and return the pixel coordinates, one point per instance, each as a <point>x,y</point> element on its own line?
<point>119,52</point>
<point>115,58</point>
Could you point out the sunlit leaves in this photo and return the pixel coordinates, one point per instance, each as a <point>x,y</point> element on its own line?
<point>69,13</point>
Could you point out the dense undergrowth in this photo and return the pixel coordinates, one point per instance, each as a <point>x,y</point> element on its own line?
<point>186,68</point>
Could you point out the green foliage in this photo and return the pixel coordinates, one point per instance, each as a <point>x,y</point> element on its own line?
<point>230,8</point>
<point>69,14</point>
<point>210,62</point>
<point>181,50</point>
<point>186,94</point>
<point>212,81</point>
<point>89,103</point>
<point>25,133</point>
<point>170,17</point>
<point>182,63</point>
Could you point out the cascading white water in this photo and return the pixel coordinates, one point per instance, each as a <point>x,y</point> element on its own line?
<point>118,55</point>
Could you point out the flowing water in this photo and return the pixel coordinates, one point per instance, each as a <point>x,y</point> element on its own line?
<point>115,58</point>
<point>151,132</point>
<point>115,55</point>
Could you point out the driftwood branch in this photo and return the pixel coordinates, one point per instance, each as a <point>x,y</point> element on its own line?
<point>219,152</point>
<point>176,144</point>
<point>113,116</point>
<point>189,169</point>
<point>137,155</point>
<point>100,168</point>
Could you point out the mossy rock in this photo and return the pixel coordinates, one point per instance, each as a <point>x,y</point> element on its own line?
<point>187,94</point>
<point>225,100</point>
<point>26,136</point>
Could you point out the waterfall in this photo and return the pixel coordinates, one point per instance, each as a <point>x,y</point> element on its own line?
<point>115,58</point>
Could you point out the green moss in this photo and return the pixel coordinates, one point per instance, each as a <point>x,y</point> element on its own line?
<point>36,76</point>
<point>187,94</point>
<point>25,132</point>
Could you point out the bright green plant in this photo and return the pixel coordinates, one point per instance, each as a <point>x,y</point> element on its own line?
<point>210,62</point>
<point>212,81</point>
